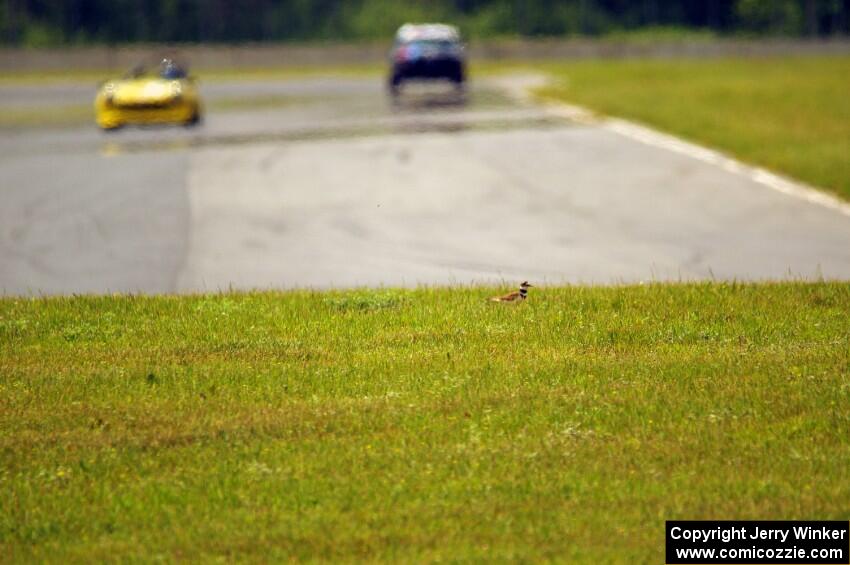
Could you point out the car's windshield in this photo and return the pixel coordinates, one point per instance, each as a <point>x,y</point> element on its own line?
<point>171,71</point>
<point>441,44</point>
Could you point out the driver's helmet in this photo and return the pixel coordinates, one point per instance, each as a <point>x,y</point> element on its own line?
<point>170,70</point>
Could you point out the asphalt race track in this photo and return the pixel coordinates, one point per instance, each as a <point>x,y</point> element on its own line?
<point>326,183</point>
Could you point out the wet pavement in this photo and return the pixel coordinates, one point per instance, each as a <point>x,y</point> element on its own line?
<point>327,182</point>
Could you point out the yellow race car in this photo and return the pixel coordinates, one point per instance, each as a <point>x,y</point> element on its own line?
<point>166,96</point>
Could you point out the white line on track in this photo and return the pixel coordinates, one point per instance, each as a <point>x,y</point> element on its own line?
<point>669,142</point>
<point>521,89</point>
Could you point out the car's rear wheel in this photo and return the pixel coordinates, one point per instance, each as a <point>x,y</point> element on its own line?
<point>459,79</point>
<point>395,85</point>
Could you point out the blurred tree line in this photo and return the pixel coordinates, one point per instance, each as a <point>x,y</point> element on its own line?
<point>62,22</point>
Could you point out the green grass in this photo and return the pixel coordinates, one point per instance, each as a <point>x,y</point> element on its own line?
<point>62,116</point>
<point>75,115</point>
<point>417,425</point>
<point>659,33</point>
<point>790,115</point>
<point>295,72</point>
<point>95,76</point>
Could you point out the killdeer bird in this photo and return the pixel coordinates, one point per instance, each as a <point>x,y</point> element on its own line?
<point>516,296</point>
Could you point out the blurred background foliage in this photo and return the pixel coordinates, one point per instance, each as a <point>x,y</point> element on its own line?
<point>37,23</point>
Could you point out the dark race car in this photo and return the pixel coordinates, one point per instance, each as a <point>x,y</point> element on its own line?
<point>427,51</point>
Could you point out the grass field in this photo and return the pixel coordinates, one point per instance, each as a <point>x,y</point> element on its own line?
<point>76,115</point>
<point>788,114</point>
<point>417,425</point>
<point>95,76</point>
